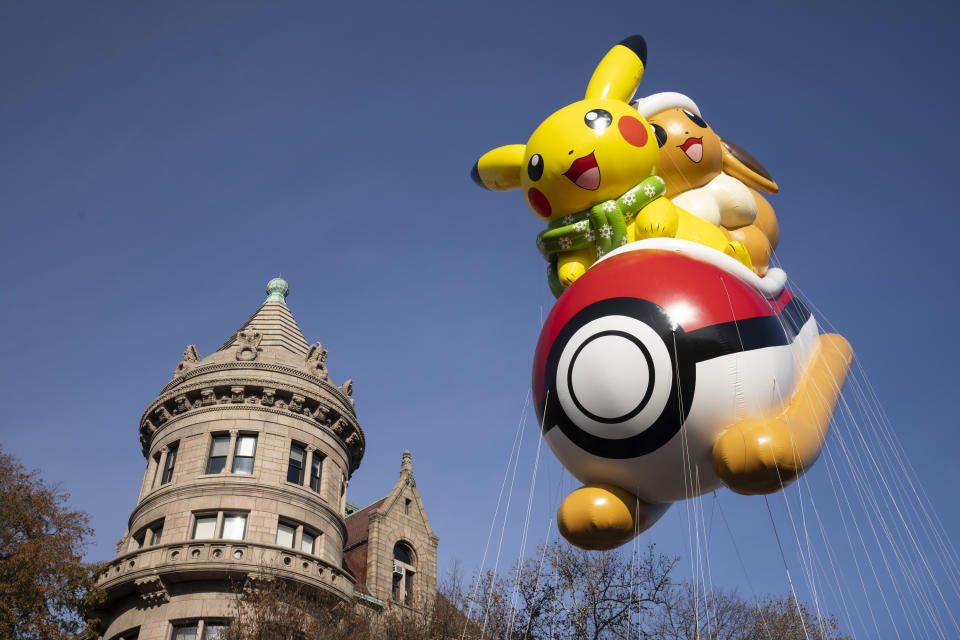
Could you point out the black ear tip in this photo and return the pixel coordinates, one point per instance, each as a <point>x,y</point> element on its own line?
<point>475,174</point>
<point>638,45</point>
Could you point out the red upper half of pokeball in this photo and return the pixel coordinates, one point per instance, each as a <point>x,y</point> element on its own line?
<point>701,294</point>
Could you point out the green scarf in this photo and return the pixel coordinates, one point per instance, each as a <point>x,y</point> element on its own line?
<point>603,226</point>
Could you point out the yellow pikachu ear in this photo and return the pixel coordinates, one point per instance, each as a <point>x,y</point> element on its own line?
<point>745,168</point>
<point>618,74</point>
<point>499,169</point>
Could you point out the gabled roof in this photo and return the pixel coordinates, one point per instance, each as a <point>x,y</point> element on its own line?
<point>355,550</point>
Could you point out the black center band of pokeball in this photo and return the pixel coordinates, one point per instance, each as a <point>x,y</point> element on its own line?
<point>650,384</point>
<point>685,349</point>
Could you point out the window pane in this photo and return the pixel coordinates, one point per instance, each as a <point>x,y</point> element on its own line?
<point>285,535</point>
<point>306,542</point>
<point>156,470</point>
<point>316,469</point>
<point>243,465</point>
<point>220,446</point>
<point>168,467</point>
<point>185,631</point>
<point>295,469</point>
<point>204,527</point>
<point>156,534</point>
<point>216,465</point>
<point>246,446</point>
<point>233,527</point>
<point>401,553</point>
<point>211,630</point>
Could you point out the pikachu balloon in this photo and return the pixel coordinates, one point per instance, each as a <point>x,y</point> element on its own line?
<point>668,366</point>
<point>589,171</point>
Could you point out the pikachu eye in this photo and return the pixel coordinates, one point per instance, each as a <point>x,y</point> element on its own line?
<point>695,119</point>
<point>535,167</point>
<point>661,134</point>
<point>598,120</point>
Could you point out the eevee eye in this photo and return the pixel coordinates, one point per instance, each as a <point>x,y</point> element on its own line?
<point>695,119</point>
<point>598,120</point>
<point>661,134</point>
<point>535,167</point>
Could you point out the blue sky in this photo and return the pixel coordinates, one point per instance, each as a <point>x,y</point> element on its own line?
<point>159,162</point>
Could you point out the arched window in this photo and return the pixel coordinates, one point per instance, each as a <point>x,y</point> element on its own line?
<point>404,569</point>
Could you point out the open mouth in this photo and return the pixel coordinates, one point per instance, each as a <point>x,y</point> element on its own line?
<point>693,147</point>
<point>585,173</point>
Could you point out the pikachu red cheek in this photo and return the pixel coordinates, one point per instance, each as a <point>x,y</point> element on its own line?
<point>633,130</point>
<point>538,202</point>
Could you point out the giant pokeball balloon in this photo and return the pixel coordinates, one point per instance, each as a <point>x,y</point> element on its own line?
<point>653,353</point>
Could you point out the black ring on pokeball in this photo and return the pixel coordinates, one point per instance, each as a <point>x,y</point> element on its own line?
<point>682,353</point>
<point>650,382</point>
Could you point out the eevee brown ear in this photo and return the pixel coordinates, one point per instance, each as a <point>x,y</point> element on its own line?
<point>745,168</point>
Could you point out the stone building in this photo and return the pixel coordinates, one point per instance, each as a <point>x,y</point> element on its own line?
<point>249,453</point>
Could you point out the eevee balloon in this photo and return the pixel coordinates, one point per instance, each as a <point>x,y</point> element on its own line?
<point>589,170</point>
<point>712,178</point>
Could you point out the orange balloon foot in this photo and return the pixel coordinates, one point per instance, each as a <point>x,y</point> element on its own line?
<point>756,457</point>
<point>598,517</point>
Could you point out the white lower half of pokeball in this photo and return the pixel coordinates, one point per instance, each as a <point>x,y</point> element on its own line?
<point>614,377</point>
<point>730,388</point>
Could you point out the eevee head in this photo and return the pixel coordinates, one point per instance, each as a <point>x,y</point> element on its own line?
<point>691,153</point>
<point>585,153</point>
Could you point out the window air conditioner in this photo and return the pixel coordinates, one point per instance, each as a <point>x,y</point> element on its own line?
<point>397,568</point>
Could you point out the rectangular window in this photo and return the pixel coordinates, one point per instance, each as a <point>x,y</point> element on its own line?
<point>316,470</point>
<point>397,586</point>
<point>156,470</point>
<point>205,527</point>
<point>219,448</point>
<point>156,532</point>
<point>298,456</point>
<point>211,630</point>
<point>244,454</point>
<point>307,541</point>
<point>168,466</point>
<point>408,588</point>
<point>233,527</point>
<point>285,535</point>
<point>185,631</point>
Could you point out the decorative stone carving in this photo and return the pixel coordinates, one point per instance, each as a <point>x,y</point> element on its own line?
<point>347,388</point>
<point>269,397</point>
<point>161,415</point>
<point>152,590</point>
<point>323,415</point>
<point>353,440</point>
<point>296,403</point>
<point>316,358</point>
<point>207,397</point>
<point>236,394</point>
<point>340,428</point>
<point>190,360</point>
<point>182,405</point>
<point>248,344</point>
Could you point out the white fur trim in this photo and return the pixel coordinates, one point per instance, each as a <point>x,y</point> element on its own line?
<point>657,102</point>
<point>770,285</point>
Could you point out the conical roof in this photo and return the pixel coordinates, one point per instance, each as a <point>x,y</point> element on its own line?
<point>280,337</point>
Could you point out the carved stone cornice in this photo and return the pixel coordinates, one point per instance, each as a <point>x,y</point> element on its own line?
<point>262,366</point>
<point>296,496</point>
<point>152,590</point>
<point>250,393</point>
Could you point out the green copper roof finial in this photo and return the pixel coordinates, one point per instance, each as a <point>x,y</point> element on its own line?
<point>277,291</point>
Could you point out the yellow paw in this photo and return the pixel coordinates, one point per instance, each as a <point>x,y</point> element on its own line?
<point>602,516</point>
<point>756,457</point>
<point>659,219</point>
<point>735,249</point>
<point>569,272</point>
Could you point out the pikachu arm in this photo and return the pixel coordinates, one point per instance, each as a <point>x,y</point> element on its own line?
<point>573,264</point>
<point>764,455</point>
<point>659,219</point>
